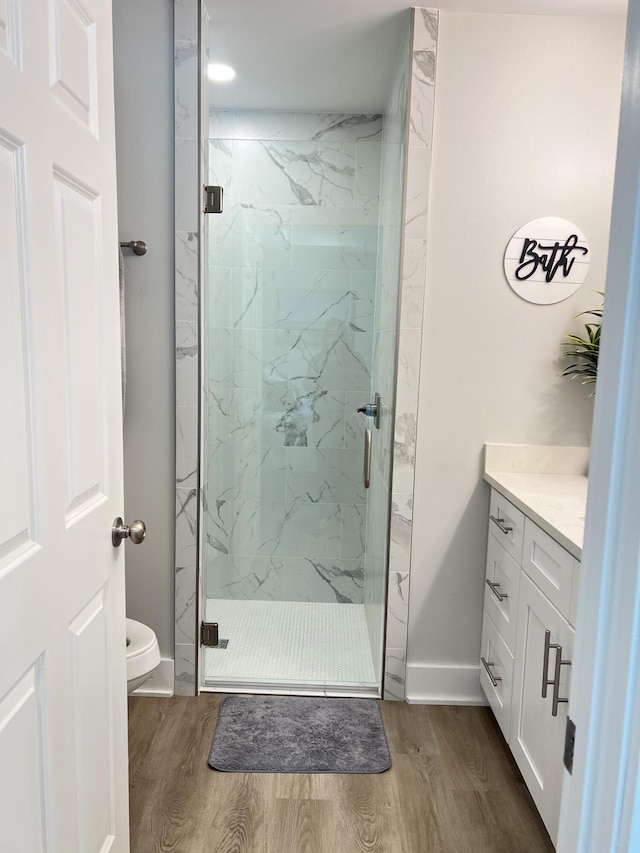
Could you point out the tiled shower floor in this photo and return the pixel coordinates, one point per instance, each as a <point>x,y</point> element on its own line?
<point>297,646</point>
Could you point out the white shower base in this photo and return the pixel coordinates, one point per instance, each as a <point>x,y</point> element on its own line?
<point>290,647</point>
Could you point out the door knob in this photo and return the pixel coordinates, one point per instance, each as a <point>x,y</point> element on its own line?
<point>136,532</point>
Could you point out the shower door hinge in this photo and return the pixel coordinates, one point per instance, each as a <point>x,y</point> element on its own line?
<point>209,634</point>
<point>212,200</point>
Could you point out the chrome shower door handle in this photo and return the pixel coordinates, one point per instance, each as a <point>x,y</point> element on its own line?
<point>367,458</point>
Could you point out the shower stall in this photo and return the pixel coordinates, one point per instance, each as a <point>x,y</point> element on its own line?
<point>298,322</point>
<point>285,524</point>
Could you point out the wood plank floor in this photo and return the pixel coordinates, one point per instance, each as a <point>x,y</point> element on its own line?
<point>453,788</point>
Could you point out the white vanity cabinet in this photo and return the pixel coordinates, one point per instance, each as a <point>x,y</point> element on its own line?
<point>537,736</point>
<point>527,645</point>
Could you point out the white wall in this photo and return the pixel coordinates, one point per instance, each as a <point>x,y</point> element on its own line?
<point>525,126</point>
<point>143,48</point>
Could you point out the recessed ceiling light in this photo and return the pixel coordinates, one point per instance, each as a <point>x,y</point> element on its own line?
<point>220,73</point>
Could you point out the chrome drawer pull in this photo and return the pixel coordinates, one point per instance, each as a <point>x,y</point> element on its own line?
<point>548,645</point>
<point>500,522</point>
<point>493,678</point>
<point>556,682</point>
<point>494,589</point>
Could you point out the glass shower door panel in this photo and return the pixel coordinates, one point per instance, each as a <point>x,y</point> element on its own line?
<point>289,339</point>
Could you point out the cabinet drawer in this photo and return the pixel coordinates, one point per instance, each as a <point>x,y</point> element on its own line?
<point>497,660</point>
<point>502,584</point>
<point>506,523</point>
<point>549,566</point>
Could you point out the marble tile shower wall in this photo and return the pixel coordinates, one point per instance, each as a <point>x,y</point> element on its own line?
<point>412,291</point>
<point>289,336</point>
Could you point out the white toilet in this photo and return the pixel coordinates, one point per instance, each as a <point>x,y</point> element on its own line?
<point>143,654</point>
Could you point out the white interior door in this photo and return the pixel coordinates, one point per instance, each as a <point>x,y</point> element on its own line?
<point>63,771</point>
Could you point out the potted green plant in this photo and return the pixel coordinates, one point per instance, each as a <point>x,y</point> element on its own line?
<point>584,352</point>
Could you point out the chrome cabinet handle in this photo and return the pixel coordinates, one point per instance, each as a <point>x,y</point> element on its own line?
<point>548,645</point>
<point>494,589</point>
<point>500,522</point>
<point>556,700</point>
<point>493,678</point>
<point>555,681</point>
<point>367,458</point>
<point>136,532</point>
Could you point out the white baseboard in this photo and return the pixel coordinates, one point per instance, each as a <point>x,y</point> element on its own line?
<point>160,683</point>
<point>436,684</point>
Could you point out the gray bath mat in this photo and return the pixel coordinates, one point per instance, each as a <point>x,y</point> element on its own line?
<point>276,734</point>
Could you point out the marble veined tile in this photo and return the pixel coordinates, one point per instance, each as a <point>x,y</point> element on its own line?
<point>186,196</point>
<point>186,364</point>
<point>325,580</point>
<point>186,526</point>
<point>422,98</point>
<point>252,124</point>
<point>355,423</point>
<point>335,248</point>
<point>335,218</point>
<point>425,29</point>
<point>185,669</point>
<point>339,126</point>
<point>250,235</point>
<point>309,173</point>
<point>185,20</point>
<point>334,238</point>
<point>394,674</point>
<point>187,446</point>
<point>408,370</point>
<point>413,283</point>
<point>248,470</point>
<point>294,529</point>
<point>368,168</point>
<point>363,292</point>
<point>417,200</point>
<point>273,578</point>
<point>324,476</point>
<point>400,535</point>
<point>220,168</point>
<point>246,358</point>
<point>397,610</point>
<point>186,282</point>
<point>354,522</point>
<point>275,416</point>
<point>215,525</point>
<point>331,360</point>
<point>384,360</point>
<point>279,298</point>
<point>186,90</point>
<point>185,604</point>
<point>253,578</point>
<point>219,401</point>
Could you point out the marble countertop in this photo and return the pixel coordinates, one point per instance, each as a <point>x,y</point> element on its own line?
<point>554,500</point>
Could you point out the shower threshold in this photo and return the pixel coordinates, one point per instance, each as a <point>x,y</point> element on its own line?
<point>289,648</point>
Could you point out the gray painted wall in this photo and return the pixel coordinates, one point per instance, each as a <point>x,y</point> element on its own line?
<point>143,53</point>
<point>525,126</point>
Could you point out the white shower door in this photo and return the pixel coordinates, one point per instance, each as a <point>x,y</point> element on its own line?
<point>63,740</point>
